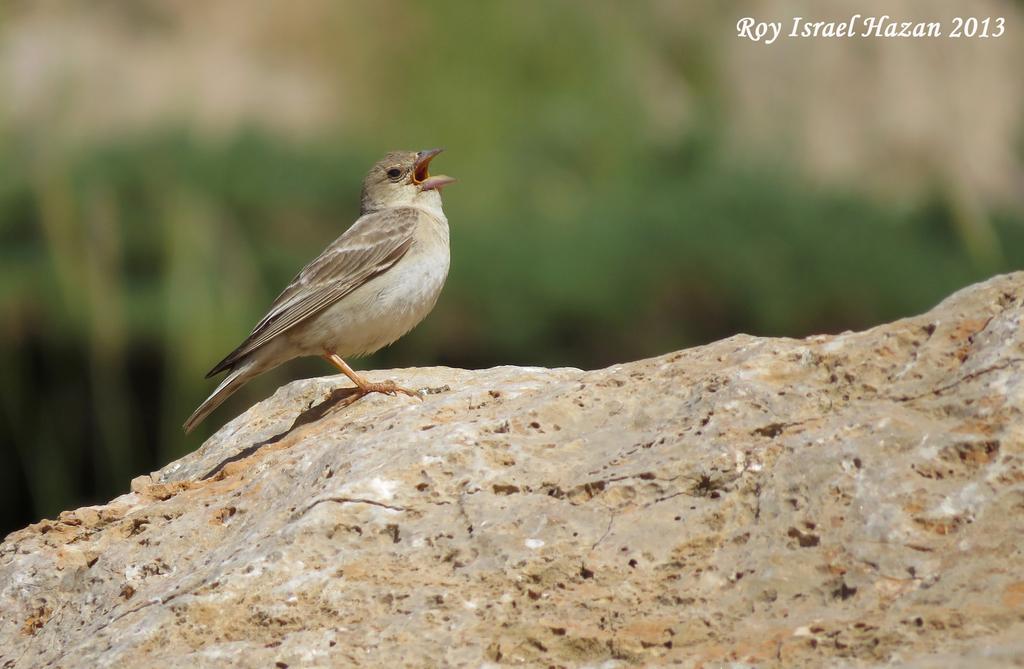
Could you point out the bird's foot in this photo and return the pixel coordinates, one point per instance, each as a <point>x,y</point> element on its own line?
<point>388,388</point>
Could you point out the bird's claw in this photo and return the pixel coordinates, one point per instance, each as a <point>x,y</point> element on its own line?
<point>389,388</point>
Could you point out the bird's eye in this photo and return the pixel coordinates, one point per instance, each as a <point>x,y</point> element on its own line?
<point>394,173</point>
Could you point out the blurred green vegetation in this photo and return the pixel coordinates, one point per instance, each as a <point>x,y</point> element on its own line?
<point>131,262</point>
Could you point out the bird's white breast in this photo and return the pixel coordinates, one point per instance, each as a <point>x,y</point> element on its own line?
<point>388,306</point>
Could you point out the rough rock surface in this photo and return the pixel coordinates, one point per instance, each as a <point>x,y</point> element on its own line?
<point>852,500</point>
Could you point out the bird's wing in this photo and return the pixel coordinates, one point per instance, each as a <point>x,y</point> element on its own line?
<point>369,248</point>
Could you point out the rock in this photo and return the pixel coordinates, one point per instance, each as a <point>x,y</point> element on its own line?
<point>854,499</point>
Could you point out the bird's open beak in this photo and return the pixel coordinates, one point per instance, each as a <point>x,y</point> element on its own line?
<point>421,176</point>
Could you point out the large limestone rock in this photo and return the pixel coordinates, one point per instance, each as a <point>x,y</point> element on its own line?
<point>851,500</point>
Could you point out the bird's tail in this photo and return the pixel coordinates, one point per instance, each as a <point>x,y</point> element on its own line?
<point>235,379</point>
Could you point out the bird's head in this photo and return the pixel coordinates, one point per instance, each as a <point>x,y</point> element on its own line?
<point>402,178</point>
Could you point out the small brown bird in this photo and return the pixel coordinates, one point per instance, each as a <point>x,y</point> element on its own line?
<point>376,282</point>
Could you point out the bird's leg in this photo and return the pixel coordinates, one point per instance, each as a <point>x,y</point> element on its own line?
<point>366,387</point>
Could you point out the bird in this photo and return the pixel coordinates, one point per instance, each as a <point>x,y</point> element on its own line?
<point>367,289</point>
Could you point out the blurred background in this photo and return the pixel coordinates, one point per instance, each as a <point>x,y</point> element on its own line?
<point>634,179</point>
